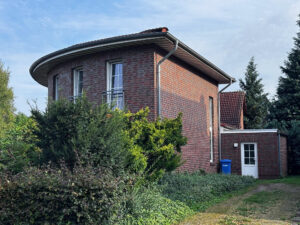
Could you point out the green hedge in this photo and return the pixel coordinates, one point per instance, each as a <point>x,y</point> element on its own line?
<point>149,207</point>
<point>48,196</point>
<point>196,189</point>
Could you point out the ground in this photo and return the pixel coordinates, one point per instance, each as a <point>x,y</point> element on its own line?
<point>267,202</point>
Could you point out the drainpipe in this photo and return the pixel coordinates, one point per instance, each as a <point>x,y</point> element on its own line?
<point>158,77</point>
<point>280,171</point>
<point>219,118</point>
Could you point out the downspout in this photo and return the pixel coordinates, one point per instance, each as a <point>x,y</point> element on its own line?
<point>158,77</point>
<point>219,119</point>
<point>279,158</point>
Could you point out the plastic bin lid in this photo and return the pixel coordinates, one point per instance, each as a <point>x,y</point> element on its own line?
<point>225,160</point>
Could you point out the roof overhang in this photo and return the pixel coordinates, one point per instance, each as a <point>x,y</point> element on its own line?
<point>250,131</point>
<point>40,68</point>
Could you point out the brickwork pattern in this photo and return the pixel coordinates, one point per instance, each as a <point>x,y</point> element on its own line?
<point>267,152</point>
<point>186,90</point>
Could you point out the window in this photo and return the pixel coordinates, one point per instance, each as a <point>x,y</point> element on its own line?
<point>114,93</point>
<point>77,83</point>
<point>211,114</point>
<point>55,88</point>
<point>249,154</point>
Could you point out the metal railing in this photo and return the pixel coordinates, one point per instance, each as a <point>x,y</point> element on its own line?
<point>115,98</point>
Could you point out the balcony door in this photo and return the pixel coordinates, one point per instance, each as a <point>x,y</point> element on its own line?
<point>115,93</point>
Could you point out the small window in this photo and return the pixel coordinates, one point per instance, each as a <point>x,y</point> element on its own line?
<point>211,122</point>
<point>55,88</point>
<point>77,83</point>
<point>115,94</point>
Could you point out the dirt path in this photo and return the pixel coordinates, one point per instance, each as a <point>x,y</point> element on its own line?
<point>275,203</point>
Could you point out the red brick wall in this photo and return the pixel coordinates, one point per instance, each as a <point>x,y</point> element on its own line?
<point>138,78</point>
<point>283,155</point>
<point>267,152</point>
<point>186,90</point>
<point>183,89</point>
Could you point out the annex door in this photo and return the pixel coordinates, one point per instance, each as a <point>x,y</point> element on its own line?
<point>249,159</point>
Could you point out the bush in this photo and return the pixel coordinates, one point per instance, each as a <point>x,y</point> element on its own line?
<point>154,146</point>
<point>149,207</point>
<point>51,196</point>
<point>18,146</point>
<point>80,131</point>
<point>195,189</point>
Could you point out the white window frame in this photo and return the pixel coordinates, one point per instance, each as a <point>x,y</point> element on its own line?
<point>211,125</point>
<point>109,88</point>
<point>76,73</point>
<point>55,88</point>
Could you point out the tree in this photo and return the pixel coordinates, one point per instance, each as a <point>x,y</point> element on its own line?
<point>256,100</point>
<point>287,104</point>
<point>6,100</point>
<point>285,111</point>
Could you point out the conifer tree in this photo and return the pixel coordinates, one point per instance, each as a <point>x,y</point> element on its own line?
<point>285,110</point>
<point>256,100</point>
<point>6,99</point>
<point>287,105</point>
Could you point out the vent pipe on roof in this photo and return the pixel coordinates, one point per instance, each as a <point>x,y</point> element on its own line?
<point>158,77</point>
<point>219,119</point>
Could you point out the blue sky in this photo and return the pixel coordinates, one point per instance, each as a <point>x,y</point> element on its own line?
<point>227,33</point>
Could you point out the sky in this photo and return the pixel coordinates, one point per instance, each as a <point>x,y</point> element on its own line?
<point>227,33</point>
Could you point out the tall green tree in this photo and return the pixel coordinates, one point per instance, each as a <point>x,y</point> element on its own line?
<point>6,100</point>
<point>256,100</point>
<point>288,90</point>
<point>285,110</point>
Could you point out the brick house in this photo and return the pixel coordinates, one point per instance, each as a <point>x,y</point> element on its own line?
<point>151,68</point>
<point>261,153</point>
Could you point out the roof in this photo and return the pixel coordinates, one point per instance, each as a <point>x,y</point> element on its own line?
<point>231,108</point>
<point>158,36</point>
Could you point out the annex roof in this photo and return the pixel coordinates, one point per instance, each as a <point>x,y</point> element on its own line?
<point>231,108</point>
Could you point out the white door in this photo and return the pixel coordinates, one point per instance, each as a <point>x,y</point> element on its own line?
<point>249,159</point>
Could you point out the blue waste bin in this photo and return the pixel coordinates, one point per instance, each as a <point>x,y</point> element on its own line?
<point>226,166</point>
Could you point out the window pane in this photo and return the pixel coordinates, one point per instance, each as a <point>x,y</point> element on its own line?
<point>251,146</point>
<point>247,161</point>
<point>246,153</point>
<point>246,146</point>
<point>252,161</point>
<point>251,153</point>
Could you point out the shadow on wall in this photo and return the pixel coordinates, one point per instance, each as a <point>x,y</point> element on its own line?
<point>196,153</point>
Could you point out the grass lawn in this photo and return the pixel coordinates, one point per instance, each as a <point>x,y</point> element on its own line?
<point>266,202</point>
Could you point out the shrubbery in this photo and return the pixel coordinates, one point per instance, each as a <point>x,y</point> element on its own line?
<point>195,189</point>
<point>87,195</point>
<point>154,146</point>
<point>18,145</point>
<point>148,207</point>
<point>80,131</point>
<point>102,162</point>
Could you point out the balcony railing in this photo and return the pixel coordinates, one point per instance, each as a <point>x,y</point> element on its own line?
<point>115,98</point>
<point>73,98</point>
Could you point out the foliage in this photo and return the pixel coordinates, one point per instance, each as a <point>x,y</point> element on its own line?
<point>150,207</point>
<point>195,190</point>
<point>17,147</point>
<point>6,100</point>
<point>256,100</point>
<point>285,112</point>
<point>154,146</point>
<point>87,195</point>
<point>81,133</point>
